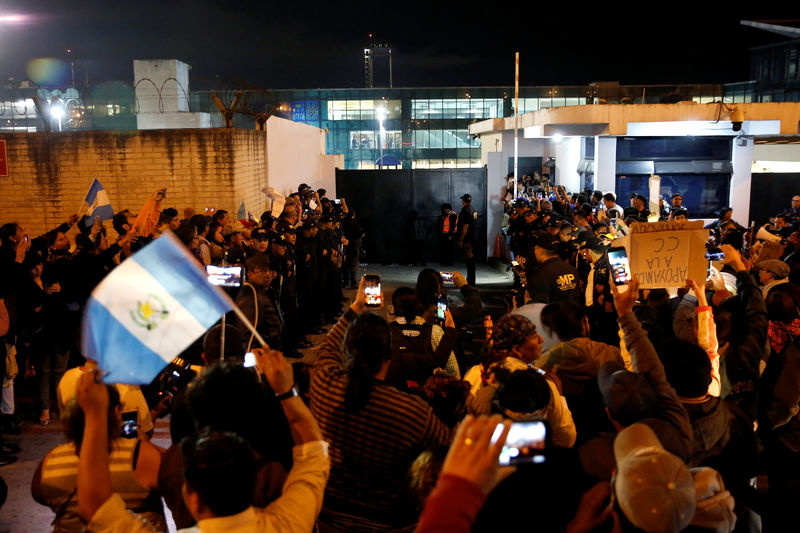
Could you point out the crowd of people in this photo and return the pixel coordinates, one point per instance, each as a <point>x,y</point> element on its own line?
<point>659,408</point>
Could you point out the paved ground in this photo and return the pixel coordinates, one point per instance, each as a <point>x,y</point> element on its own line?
<point>21,514</point>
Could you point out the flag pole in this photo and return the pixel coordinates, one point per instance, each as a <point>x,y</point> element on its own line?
<point>222,340</point>
<point>81,209</point>
<point>248,324</point>
<point>516,126</point>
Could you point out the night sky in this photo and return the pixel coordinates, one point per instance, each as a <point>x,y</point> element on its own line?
<point>299,45</point>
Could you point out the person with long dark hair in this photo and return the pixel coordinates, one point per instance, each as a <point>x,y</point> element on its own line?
<point>374,430</point>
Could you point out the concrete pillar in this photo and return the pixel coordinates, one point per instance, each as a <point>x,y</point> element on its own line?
<point>742,163</point>
<point>568,156</point>
<point>605,164</point>
<point>495,179</point>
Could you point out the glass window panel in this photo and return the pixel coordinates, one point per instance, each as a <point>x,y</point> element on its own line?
<point>362,140</point>
<point>421,138</point>
<point>449,107</point>
<point>435,139</point>
<point>448,139</point>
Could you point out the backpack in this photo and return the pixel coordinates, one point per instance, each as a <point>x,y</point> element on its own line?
<point>413,358</point>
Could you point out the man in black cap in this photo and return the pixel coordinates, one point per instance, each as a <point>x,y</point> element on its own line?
<point>552,280</point>
<point>599,301</point>
<point>466,235</point>
<point>260,239</point>
<point>259,304</point>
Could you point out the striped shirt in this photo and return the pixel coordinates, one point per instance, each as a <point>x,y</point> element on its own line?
<point>371,450</point>
<point>57,485</point>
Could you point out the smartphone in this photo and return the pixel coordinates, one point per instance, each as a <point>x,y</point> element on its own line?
<point>225,276</point>
<point>447,277</point>
<point>337,201</point>
<point>526,443</point>
<point>620,265</point>
<point>25,238</point>
<point>130,425</point>
<point>539,195</point>
<point>249,359</point>
<point>613,222</point>
<point>715,254</point>
<point>515,263</point>
<point>372,290</point>
<point>441,308</point>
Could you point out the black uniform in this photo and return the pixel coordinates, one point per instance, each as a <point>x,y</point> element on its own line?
<point>467,218</point>
<point>554,281</point>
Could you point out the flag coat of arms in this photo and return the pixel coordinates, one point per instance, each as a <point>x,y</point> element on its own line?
<point>148,310</point>
<point>97,204</point>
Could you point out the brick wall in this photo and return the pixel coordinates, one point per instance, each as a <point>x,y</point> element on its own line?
<point>50,173</point>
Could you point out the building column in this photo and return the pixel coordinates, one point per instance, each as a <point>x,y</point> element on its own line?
<point>568,157</point>
<point>605,164</point>
<point>742,166</point>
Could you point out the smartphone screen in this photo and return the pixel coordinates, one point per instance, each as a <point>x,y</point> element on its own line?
<point>372,290</point>
<point>613,221</point>
<point>715,254</point>
<point>620,265</point>
<point>249,359</point>
<point>130,427</point>
<point>441,308</point>
<point>525,443</point>
<point>446,276</point>
<point>225,276</point>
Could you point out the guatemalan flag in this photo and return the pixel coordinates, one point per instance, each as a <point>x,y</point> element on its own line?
<point>98,204</point>
<point>148,310</point>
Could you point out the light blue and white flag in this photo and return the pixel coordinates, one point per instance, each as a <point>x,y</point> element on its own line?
<point>97,204</point>
<point>148,310</point>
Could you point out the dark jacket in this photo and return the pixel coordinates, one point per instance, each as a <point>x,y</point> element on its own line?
<point>554,281</point>
<point>779,404</point>
<point>670,421</point>
<point>739,360</point>
<point>269,323</point>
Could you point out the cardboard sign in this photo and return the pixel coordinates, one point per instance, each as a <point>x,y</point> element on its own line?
<point>3,159</point>
<point>667,253</point>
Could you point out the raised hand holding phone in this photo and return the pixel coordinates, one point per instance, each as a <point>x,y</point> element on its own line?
<point>474,457</point>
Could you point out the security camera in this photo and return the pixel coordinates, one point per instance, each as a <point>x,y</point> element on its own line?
<point>737,117</point>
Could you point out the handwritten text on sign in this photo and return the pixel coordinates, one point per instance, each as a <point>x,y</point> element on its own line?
<point>666,254</point>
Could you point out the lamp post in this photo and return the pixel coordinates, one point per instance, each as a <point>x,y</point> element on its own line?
<point>381,113</point>
<point>58,113</point>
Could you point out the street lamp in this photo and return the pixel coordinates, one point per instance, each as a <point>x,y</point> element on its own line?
<point>381,113</point>
<point>58,113</point>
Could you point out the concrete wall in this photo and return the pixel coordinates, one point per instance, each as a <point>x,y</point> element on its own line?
<point>162,95</point>
<point>167,77</point>
<point>296,154</point>
<point>49,174</point>
<point>605,163</point>
<point>741,175</point>
<point>172,121</point>
<point>614,119</point>
<point>495,180</point>
<point>568,156</point>
<point>776,152</point>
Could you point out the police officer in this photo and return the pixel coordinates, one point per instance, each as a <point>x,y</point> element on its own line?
<point>552,280</point>
<point>467,239</point>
